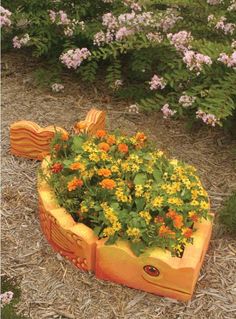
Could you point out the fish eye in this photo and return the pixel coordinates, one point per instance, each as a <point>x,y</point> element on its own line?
<point>151,270</point>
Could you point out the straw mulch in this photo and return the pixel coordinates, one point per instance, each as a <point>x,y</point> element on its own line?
<point>52,287</point>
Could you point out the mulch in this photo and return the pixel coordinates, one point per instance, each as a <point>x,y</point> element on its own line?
<point>52,287</point>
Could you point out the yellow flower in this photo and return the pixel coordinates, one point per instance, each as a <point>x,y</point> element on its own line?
<point>194,203</point>
<point>174,162</point>
<point>176,201</point>
<point>108,231</point>
<point>94,157</point>
<point>138,190</point>
<point>116,226</point>
<point>194,193</point>
<point>83,209</point>
<point>149,169</point>
<point>134,168</point>
<point>146,216</point>
<point>114,169</point>
<point>125,166</point>
<point>204,205</point>
<point>133,232</point>
<point>157,201</point>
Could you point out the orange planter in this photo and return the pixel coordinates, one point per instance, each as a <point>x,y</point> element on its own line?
<point>75,241</point>
<point>155,271</point>
<point>30,140</point>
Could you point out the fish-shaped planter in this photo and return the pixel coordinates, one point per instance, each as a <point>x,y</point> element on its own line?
<point>29,140</point>
<point>154,271</point>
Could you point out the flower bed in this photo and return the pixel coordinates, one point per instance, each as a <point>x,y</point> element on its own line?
<point>127,204</point>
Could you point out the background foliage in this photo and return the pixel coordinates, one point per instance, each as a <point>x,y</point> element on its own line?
<point>138,46</point>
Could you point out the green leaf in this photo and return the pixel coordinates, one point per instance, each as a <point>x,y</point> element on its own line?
<point>140,202</point>
<point>137,248</point>
<point>77,143</point>
<point>140,179</point>
<point>97,230</point>
<point>157,175</point>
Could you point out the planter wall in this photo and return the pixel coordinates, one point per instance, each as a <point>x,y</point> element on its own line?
<point>29,140</point>
<point>75,241</point>
<point>95,120</point>
<point>170,276</point>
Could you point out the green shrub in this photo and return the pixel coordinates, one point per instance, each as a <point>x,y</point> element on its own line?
<point>227,214</point>
<point>176,56</point>
<point>8,310</point>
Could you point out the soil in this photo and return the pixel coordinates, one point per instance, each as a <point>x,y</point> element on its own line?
<point>53,288</point>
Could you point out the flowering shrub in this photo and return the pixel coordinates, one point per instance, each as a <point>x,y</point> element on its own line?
<point>157,52</point>
<point>122,188</point>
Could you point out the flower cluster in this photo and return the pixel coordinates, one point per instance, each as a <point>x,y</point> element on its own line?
<point>73,58</point>
<point>5,17</point>
<point>57,87</point>
<point>230,61</point>
<point>186,100</point>
<point>180,40</point>
<point>19,42</point>
<point>225,27</point>
<point>167,112</point>
<point>125,25</point>
<point>157,83</point>
<point>6,298</point>
<point>209,119</point>
<point>195,61</point>
<point>214,2</point>
<point>123,188</point>
<point>169,20</point>
<point>61,18</point>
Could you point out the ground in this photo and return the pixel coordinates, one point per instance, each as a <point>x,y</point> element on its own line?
<point>52,287</point>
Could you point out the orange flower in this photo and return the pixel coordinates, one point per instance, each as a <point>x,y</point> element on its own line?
<point>74,183</point>
<point>56,168</point>
<point>171,213</point>
<point>104,147</point>
<point>107,183</point>
<point>111,139</point>
<point>140,136</point>
<point>187,232</point>
<point>193,216</point>
<point>165,231</point>
<point>123,148</point>
<point>101,133</point>
<point>104,172</point>
<point>65,137</point>
<point>158,220</point>
<point>178,221</point>
<point>75,166</point>
<point>57,147</point>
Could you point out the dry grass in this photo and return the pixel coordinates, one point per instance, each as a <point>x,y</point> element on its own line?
<point>53,288</point>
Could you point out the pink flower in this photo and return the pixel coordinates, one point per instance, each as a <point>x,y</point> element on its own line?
<point>52,15</point>
<point>186,100</point>
<point>225,27</point>
<point>5,17</point>
<point>214,2</point>
<point>195,61</point>
<point>123,33</point>
<point>167,112</point>
<point>57,87</point>
<point>180,40</point>
<point>19,42</point>
<point>74,57</point>
<point>6,298</point>
<point>230,61</point>
<point>157,82</point>
<point>154,37</point>
<point>209,119</point>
